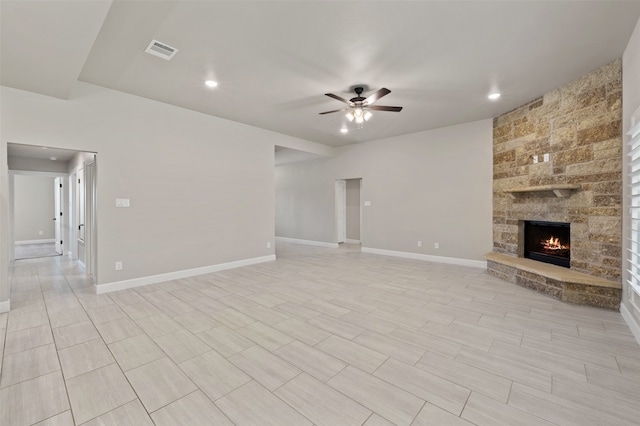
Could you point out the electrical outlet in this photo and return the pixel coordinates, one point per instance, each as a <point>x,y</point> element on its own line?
<point>40,232</point>
<point>269,245</point>
<point>545,157</point>
<point>419,243</point>
<point>535,159</point>
<point>436,245</point>
<point>119,265</point>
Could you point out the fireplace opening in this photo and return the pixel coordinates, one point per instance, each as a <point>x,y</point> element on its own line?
<point>548,242</point>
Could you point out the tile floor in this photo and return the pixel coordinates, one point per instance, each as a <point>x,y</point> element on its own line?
<point>319,337</point>
<point>29,251</point>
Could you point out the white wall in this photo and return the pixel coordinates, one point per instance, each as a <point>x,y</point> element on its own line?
<point>304,202</point>
<point>433,186</point>
<point>201,188</point>
<point>33,208</point>
<point>630,103</point>
<point>6,237</point>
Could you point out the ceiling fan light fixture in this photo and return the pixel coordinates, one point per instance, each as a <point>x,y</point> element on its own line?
<point>358,115</point>
<point>494,96</point>
<point>358,107</point>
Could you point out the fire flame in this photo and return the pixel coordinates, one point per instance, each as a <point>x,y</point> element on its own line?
<point>553,243</point>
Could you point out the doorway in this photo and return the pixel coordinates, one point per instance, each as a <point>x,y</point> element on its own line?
<point>348,210</point>
<point>83,220</point>
<point>58,213</point>
<point>67,210</point>
<point>36,213</point>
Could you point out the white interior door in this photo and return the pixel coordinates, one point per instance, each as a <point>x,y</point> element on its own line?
<point>57,191</point>
<point>341,210</point>
<point>73,216</point>
<point>81,205</point>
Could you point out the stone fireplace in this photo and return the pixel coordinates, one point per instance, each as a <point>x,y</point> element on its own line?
<point>559,159</point>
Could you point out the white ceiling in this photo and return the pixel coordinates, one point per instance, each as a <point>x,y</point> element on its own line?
<point>40,152</point>
<point>274,60</point>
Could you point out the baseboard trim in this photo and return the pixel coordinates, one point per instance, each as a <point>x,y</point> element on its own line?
<point>24,242</point>
<point>5,306</point>
<point>350,241</point>
<point>634,326</point>
<point>307,242</point>
<point>427,257</point>
<point>186,273</point>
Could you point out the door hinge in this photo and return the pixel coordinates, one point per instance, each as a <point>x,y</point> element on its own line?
<point>60,213</point>
<point>60,241</point>
<point>78,180</point>
<point>60,185</point>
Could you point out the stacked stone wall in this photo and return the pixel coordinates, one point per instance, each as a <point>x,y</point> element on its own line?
<point>579,126</point>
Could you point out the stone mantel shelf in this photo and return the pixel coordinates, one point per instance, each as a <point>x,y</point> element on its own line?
<point>561,190</point>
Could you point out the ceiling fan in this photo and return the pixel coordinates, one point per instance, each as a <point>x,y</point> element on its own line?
<point>359,105</point>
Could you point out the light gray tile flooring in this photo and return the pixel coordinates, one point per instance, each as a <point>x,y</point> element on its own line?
<point>30,251</point>
<point>320,337</point>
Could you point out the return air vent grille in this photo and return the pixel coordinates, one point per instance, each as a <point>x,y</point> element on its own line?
<point>161,50</point>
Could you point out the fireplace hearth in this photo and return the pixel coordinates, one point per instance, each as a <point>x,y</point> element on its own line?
<point>548,242</point>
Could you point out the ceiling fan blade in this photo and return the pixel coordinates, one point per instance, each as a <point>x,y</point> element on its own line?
<point>380,93</point>
<point>335,110</point>
<point>384,108</point>
<point>338,98</point>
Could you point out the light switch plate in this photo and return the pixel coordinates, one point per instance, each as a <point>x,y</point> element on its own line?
<point>367,203</point>
<point>122,202</point>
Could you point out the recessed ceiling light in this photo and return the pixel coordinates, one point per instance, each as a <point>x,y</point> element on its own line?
<point>211,83</point>
<point>494,96</point>
<point>53,158</point>
<point>344,130</point>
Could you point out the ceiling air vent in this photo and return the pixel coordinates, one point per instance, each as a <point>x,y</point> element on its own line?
<point>161,50</point>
